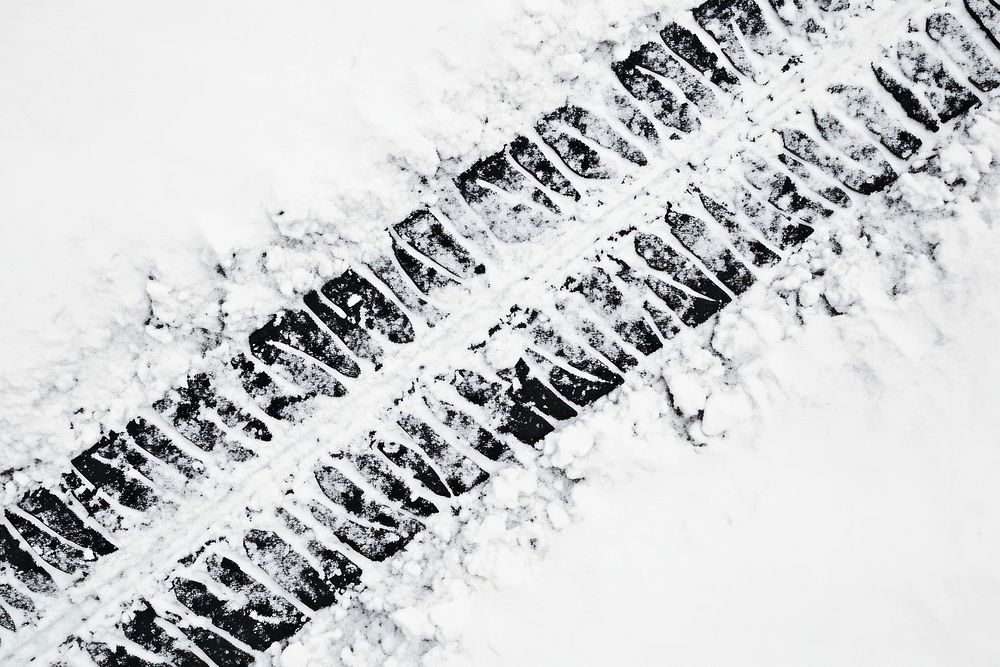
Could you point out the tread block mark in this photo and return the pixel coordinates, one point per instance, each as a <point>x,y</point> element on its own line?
<point>289,569</point>
<point>252,615</point>
<point>603,344</point>
<point>377,472</point>
<point>576,374</point>
<point>717,18</point>
<point>427,235</point>
<point>801,145</point>
<point>688,46</point>
<point>346,494</point>
<point>373,542</point>
<point>299,331</point>
<point>508,416</point>
<point>111,467</point>
<point>95,505</point>
<point>262,388</point>
<point>466,427</point>
<point>61,556</point>
<point>693,306</point>
<point>152,440</point>
<point>14,558</point>
<point>780,190</point>
<point>105,656</point>
<point>635,75</point>
<point>407,459</point>
<point>831,193</point>
<point>459,471</point>
<point>526,154</point>
<point>337,569</point>
<point>50,510</point>
<point>143,629</point>
<point>362,307</point>
<point>599,290</point>
<point>188,409</point>
<point>219,651</point>
<point>987,14</point>
<point>947,31</point>
<point>578,156</point>
<point>949,98</point>
<point>758,253</point>
<point>513,207</point>
<point>693,233</point>
<point>426,276</point>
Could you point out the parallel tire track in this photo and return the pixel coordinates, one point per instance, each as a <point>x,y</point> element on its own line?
<point>555,266</point>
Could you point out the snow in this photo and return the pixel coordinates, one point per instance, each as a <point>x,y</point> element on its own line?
<point>810,482</point>
<point>145,151</point>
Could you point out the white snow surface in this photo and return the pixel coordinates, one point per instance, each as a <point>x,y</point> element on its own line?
<point>792,487</point>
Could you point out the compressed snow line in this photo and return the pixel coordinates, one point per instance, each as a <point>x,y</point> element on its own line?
<point>721,130</point>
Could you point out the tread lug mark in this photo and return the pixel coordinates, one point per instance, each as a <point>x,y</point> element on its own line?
<point>264,390</point>
<point>605,345</point>
<point>946,30</point>
<point>6,621</point>
<point>831,193</point>
<point>377,472</point>
<point>372,542</point>
<point>427,235</point>
<point>409,460</point>
<point>218,650</point>
<point>987,15</point>
<point>570,381</point>
<point>338,569</point>
<point>579,390</point>
<point>186,407</point>
<point>600,291</point>
<point>464,425</point>
<point>510,217</point>
<point>289,569</point>
<point>348,495</point>
<point>13,557</point>
<point>776,227</point>
<point>509,416</point>
<point>404,290</point>
<point>532,160</point>
<point>16,599</point>
<point>716,17</point>
<point>113,480</point>
<point>60,519</point>
<point>632,118</point>
<point>427,278</point>
<point>143,629</point>
<point>781,191</point>
<point>105,656</point>
<point>362,307</point>
<point>686,44</point>
<point>803,146</point>
<point>948,97</point>
<point>760,255</point>
<point>692,309</point>
<point>298,330</point>
<point>60,556</point>
<point>577,155</point>
<point>459,471</point>
<point>694,235</point>
<point>151,439</point>
<point>253,615</point>
<point>906,98</point>
<point>645,87</point>
<point>529,390</point>
<point>95,506</point>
